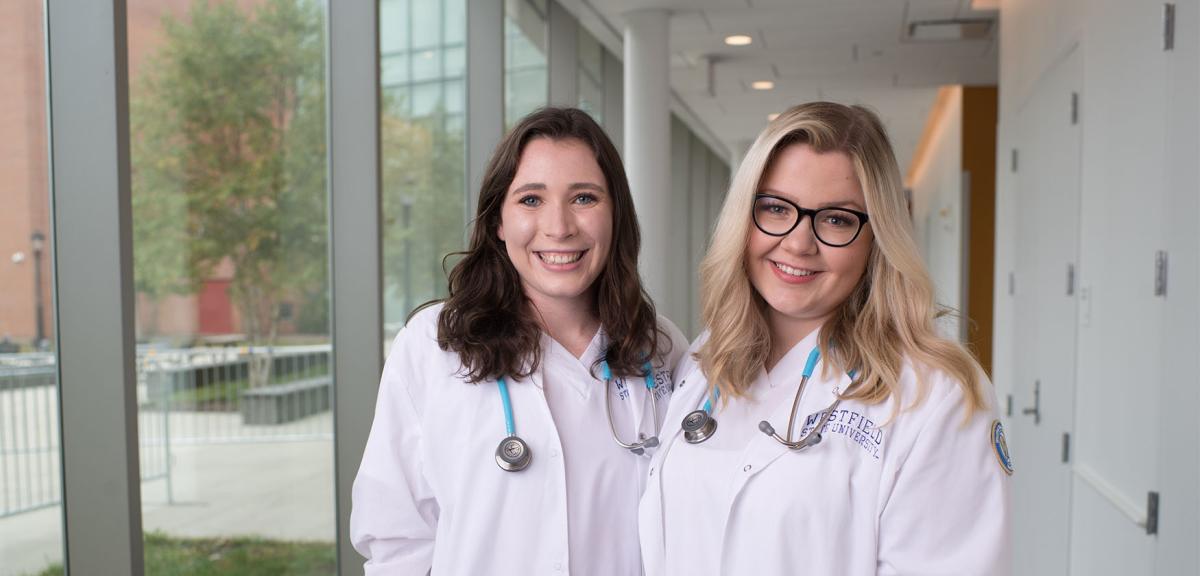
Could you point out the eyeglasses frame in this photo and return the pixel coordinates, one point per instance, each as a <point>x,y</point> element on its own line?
<point>812,219</point>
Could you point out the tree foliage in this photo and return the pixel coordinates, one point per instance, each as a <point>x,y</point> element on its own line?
<point>229,157</point>
<point>230,168</point>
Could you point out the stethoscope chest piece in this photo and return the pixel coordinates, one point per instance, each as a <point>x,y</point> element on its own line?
<point>512,455</point>
<point>698,426</point>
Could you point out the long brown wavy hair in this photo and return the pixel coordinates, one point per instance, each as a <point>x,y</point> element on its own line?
<point>488,320</point>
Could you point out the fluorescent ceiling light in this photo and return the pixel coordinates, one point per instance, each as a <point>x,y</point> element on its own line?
<point>762,85</point>
<point>739,40</point>
<point>954,29</point>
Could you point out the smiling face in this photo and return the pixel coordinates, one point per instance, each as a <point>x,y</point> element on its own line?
<point>802,280</point>
<point>556,222</point>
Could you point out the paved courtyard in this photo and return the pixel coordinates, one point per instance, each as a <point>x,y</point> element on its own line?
<point>273,482</point>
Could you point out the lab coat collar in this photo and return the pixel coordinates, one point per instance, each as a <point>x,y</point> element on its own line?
<point>787,371</point>
<point>585,379</point>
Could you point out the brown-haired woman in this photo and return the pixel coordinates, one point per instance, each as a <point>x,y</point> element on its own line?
<point>515,418</point>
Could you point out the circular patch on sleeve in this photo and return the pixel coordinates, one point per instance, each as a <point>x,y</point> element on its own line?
<point>1001,447</point>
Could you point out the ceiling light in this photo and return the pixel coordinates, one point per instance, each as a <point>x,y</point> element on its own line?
<point>762,85</point>
<point>771,117</point>
<point>952,29</point>
<point>739,40</point>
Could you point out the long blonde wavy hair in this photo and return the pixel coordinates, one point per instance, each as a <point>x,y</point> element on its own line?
<point>889,315</point>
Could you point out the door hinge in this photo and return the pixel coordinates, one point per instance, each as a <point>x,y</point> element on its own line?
<point>1152,513</point>
<point>1012,283</point>
<point>1168,31</point>
<point>1074,108</point>
<point>1009,410</point>
<point>1070,279</point>
<point>1066,447</point>
<point>1160,273</point>
<point>1014,159</point>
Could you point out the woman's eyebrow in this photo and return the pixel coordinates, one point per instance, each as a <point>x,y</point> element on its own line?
<point>527,187</point>
<point>834,204</point>
<point>587,186</point>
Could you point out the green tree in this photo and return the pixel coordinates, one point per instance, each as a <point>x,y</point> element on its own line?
<point>423,175</point>
<point>229,160</point>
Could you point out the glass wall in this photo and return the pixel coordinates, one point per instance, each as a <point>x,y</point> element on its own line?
<point>423,58</point>
<point>31,532</point>
<point>526,74</point>
<point>590,75</point>
<point>230,243</point>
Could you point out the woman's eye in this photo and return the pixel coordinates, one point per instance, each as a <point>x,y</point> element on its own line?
<point>837,221</point>
<point>585,199</point>
<point>774,209</point>
<point>529,201</point>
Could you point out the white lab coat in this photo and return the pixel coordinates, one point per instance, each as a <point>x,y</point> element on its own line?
<point>429,497</point>
<point>923,494</point>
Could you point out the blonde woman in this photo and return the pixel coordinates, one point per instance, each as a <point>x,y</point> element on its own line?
<point>826,427</point>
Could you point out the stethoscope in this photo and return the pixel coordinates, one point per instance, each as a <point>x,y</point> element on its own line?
<point>513,454</point>
<point>699,425</point>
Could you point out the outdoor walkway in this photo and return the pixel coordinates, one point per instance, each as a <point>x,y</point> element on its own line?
<point>278,489</point>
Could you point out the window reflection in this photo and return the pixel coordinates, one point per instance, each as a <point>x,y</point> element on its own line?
<point>230,236</point>
<point>423,150</point>
<point>526,77</point>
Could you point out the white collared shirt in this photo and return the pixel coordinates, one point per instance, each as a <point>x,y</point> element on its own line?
<point>430,497</point>
<point>921,492</point>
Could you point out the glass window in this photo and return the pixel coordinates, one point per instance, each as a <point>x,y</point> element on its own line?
<point>426,23</point>
<point>590,75</point>
<point>427,65</point>
<point>393,26</point>
<point>456,62</point>
<point>454,31</point>
<point>526,75</point>
<point>426,99</point>
<point>394,68</point>
<point>424,163</point>
<point>31,531</point>
<point>230,227</point>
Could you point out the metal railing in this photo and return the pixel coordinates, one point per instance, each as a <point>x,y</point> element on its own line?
<point>185,396</point>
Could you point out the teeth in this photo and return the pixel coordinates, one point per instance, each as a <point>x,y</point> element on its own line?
<point>793,271</point>
<point>560,257</point>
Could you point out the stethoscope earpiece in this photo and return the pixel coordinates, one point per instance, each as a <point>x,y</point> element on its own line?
<point>813,437</point>
<point>513,455</point>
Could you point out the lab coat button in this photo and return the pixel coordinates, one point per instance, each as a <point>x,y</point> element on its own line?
<point>554,453</point>
<point>651,471</point>
<point>747,468</point>
<point>558,566</point>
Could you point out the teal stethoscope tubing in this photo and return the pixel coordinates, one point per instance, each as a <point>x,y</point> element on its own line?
<point>813,437</point>
<point>639,447</point>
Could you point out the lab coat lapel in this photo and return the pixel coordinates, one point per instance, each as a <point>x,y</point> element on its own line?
<point>765,450</point>
<point>685,399</point>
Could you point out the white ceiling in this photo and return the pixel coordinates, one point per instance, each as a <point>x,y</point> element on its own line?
<point>851,51</point>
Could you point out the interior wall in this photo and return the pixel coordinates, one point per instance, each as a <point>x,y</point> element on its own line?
<point>1135,395</point>
<point>937,198</point>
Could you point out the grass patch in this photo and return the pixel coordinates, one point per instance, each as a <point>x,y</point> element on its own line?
<point>169,556</point>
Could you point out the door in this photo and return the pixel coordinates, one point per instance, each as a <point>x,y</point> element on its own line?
<point>1045,297</point>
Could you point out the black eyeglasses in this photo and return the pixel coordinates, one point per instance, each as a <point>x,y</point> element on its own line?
<point>834,227</point>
